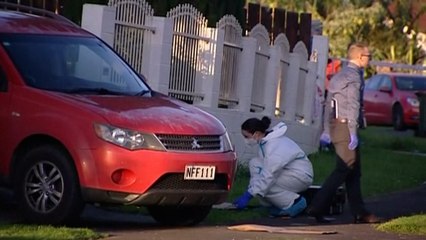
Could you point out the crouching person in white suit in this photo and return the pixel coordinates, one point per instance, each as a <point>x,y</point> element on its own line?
<point>281,171</point>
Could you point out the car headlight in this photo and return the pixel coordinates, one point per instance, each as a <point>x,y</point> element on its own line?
<point>226,143</point>
<point>414,102</point>
<point>129,139</point>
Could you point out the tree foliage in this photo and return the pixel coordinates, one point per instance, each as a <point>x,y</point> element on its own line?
<point>374,25</point>
<point>380,23</point>
<point>352,25</point>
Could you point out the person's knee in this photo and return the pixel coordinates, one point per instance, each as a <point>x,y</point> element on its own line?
<point>346,162</point>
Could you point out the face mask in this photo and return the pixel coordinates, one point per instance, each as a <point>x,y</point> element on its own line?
<point>250,141</point>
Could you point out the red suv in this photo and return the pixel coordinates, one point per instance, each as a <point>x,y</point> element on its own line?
<point>79,125</point>
<point>390,99</point>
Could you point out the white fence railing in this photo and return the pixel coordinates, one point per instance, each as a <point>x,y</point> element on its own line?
<point>132,31</point>
<point>234,77</point>
<point>189,43</point>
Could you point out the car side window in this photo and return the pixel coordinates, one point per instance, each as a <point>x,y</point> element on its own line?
<point>3,80</point>
<point>373,83</point>
<point>386,83</point>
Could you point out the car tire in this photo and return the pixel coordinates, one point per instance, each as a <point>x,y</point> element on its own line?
<point>398,118</point>
<point>47,187</point>
<point>179,215</point>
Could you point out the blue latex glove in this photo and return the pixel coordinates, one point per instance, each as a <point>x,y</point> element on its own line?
<point>354,142</point>
<point>325,139</point>
<point>243,200</point>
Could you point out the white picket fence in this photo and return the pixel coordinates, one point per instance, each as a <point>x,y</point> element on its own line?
<point>232,76</point>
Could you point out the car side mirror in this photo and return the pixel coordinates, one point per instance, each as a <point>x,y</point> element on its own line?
<point>142,77</point>
<point>385,89</point>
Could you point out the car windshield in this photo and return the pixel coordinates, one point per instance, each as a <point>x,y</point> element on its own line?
<point>411,83</point>
<point>70,64</point>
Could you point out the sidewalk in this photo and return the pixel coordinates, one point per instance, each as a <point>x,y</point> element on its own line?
<point>388,206</point>
<point>120,225</point>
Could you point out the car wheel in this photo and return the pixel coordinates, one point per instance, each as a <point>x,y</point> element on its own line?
<point>179,215</point>
<point>398,118</point>
<point>47,187</point>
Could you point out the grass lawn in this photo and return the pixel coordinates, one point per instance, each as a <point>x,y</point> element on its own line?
<point>34,232</point>
<point>383,151</point>
<point>415,225</point>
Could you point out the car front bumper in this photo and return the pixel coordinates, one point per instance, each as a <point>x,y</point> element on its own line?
<point>153,177</point>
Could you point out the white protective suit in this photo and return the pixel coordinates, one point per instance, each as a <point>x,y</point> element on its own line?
<point>281,171</point>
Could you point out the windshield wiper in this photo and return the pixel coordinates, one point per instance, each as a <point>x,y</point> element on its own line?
<point>100,91</point>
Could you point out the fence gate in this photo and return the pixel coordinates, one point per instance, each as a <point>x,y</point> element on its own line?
<point>132,30</point>
<point>192,42</point>
<point>232,48</point>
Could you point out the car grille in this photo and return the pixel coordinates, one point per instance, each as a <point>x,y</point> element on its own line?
<point>176,182</point>
<point>197,143</point>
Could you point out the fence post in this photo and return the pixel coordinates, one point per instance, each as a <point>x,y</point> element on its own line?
<point>99,20</point>
<point>284,61</point>
<point>310,93</point>
<point>158,67</point>
<point>300,49</point>
<point>320,46</point>
<point>291,86</point>
<point>271,80</point>
<point>245,74</point>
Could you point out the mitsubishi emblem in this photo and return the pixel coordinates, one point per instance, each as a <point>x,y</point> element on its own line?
<point>195,144</point>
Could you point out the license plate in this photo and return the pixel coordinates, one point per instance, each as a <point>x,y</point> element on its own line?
<point>193,172</point>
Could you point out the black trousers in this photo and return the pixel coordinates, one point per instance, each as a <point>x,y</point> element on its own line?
<point>347,171</point>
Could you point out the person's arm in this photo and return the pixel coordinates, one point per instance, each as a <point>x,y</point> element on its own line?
<point>255,167</point>
<point>353,104</point>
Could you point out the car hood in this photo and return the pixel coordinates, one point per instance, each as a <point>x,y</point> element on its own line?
<point>157,114</point>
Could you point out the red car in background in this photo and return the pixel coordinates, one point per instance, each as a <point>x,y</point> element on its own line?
<point>390,99</point>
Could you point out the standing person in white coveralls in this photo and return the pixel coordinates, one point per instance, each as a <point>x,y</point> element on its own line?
<point>280,172</point>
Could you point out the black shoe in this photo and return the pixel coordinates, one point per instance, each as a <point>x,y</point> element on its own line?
<point>318,217</point>
<point>322,219</point>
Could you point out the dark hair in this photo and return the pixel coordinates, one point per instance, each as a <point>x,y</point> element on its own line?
<point>253,125</point>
